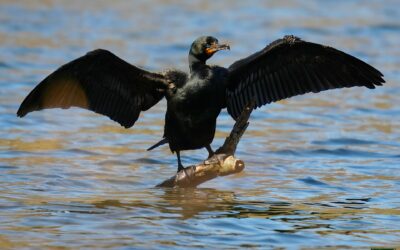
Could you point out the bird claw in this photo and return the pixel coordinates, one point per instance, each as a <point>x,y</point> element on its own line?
<point>211,160</point>
<point>180,167</point>
<point>183,170</point>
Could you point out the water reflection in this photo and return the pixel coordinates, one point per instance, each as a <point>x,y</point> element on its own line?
<point>321,170</point>
<point>213,203</point>
<point>192,212</point>
<point>186,203</point>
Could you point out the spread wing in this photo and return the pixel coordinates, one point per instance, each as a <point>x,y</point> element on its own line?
<point>98,81</point>
<point>290,67</point>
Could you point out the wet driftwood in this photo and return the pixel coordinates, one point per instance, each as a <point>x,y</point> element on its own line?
<point>222,163</point>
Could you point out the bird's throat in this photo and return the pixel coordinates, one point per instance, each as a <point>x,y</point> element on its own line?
<point>195,64</point>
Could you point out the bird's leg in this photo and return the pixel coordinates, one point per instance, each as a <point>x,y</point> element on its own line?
<point>210,151</point>
<point>180,166</point>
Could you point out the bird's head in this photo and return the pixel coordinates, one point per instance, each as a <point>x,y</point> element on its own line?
<point>205,46</point>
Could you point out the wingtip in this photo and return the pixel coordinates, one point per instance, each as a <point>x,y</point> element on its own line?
<point>380,80</point>
<point>21,113</point>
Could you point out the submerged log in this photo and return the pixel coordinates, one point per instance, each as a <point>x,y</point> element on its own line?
<point>222,163</point>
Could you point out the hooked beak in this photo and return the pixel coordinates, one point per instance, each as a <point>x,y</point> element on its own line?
<point>216,47</point>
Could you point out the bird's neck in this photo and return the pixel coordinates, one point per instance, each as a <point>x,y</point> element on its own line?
<point>196,64</point>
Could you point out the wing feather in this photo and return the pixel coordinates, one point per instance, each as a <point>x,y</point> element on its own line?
<point>289,67</point>
<point>98,81</point>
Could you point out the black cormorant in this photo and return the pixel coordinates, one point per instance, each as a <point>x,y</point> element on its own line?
<point>102,82</point>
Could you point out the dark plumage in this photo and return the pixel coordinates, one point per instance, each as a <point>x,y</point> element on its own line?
<point>104,83</point>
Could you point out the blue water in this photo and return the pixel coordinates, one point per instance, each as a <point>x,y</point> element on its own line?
<point>322,170</point>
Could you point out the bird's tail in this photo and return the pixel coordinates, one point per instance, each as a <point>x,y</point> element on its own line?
<point>163,141</point>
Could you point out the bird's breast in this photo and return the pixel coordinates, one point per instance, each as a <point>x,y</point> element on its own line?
<point>202,95</point>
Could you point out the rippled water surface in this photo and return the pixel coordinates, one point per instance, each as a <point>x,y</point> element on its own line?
<point>322,170</point>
